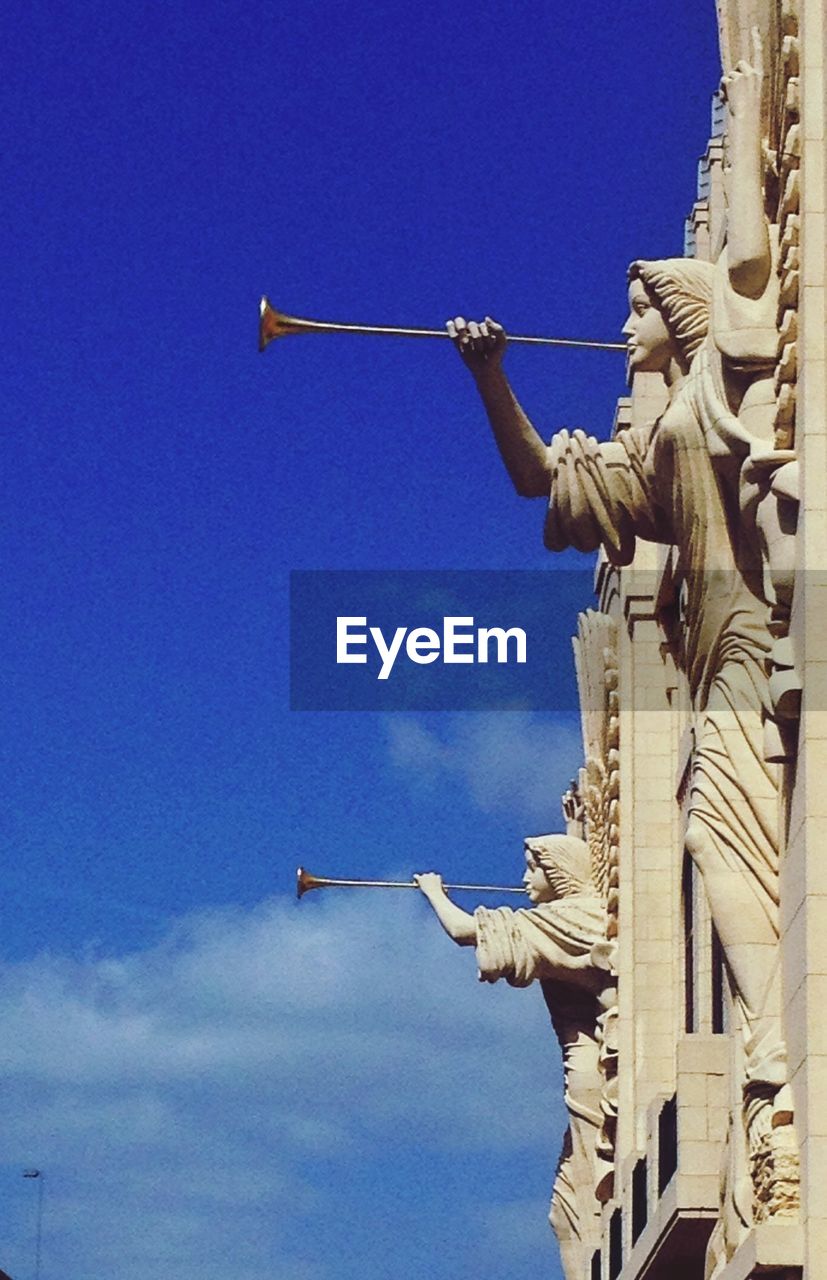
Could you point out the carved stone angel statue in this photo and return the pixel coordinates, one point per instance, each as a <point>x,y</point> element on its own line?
<point>561,942</point>
<point>681,481</point>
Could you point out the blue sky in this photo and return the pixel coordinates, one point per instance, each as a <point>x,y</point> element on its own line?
<point>210,1075</point>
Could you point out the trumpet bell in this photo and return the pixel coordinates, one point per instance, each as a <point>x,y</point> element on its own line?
<point>275,324</point>
<point>305,882</point>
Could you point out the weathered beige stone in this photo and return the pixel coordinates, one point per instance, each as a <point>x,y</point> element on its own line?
<point>620,502</point>
<point>560,942</point>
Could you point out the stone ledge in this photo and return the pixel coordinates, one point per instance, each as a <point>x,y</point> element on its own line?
<point>676,1233</point>
<point>768,1249</point>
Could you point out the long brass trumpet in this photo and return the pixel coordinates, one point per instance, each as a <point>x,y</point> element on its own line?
<point>305,882</point>
<point>277,324</point>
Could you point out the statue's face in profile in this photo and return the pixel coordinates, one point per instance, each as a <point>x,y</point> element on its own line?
<point>536,881</point>
<point>649,346</point>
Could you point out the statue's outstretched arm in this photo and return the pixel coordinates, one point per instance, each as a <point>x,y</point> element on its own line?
<point>458,924</point>
<point>522,449</point>
<point>748,245</point>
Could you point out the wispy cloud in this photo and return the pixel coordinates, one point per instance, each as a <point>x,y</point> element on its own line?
<point>244,1097</point>
<point>517,762</point>
<point>513,1228</point>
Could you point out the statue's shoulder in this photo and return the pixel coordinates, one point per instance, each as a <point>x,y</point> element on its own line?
<point>574,908</point>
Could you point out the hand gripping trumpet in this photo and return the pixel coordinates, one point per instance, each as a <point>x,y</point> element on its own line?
<point>305,882</point>
<point>277,324</point>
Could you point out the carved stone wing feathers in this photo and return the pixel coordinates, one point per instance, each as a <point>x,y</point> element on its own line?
<point>595,656</point>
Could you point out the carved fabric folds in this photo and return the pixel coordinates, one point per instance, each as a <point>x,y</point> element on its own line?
<point>553,943</point>
<point>553,940</point>
<point>677,482</point>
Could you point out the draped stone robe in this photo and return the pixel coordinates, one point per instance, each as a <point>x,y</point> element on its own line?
<point>677,482</point>
<point>553,944</point>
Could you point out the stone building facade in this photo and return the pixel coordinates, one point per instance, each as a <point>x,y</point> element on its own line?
<point>719,1159</point>
<point>677,927</point>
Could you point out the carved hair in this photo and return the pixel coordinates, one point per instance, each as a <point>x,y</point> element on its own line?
<point>682,289</point>
<point>565,861</point>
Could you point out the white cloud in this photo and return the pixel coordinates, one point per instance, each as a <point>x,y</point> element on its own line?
<point>517,761</point>
<point>514,1228</point>
<point>202,1106</point>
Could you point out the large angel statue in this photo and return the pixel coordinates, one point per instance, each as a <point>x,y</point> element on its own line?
<point>559,941</point>
<point>680,481</point>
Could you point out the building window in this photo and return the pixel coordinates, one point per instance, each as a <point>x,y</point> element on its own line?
<point>667,1143</point>
<point>705,980</point>
<point>689,957</point>
<point>720,990</point>
<point>639,1194</point>
<point>615,1244</point>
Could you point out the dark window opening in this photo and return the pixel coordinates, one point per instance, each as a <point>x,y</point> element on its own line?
<point>615,1244</point>
<point>639,1194</point>
<point>719,987</point>
<point>690,1020</point>
<point>667,1143</point>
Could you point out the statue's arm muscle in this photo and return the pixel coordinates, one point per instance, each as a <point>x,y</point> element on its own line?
<point>458,924</point>
<point>522,449</point>
<point>749,257</point>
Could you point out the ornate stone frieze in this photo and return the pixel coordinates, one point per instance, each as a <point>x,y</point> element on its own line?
<point>595,652</point>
